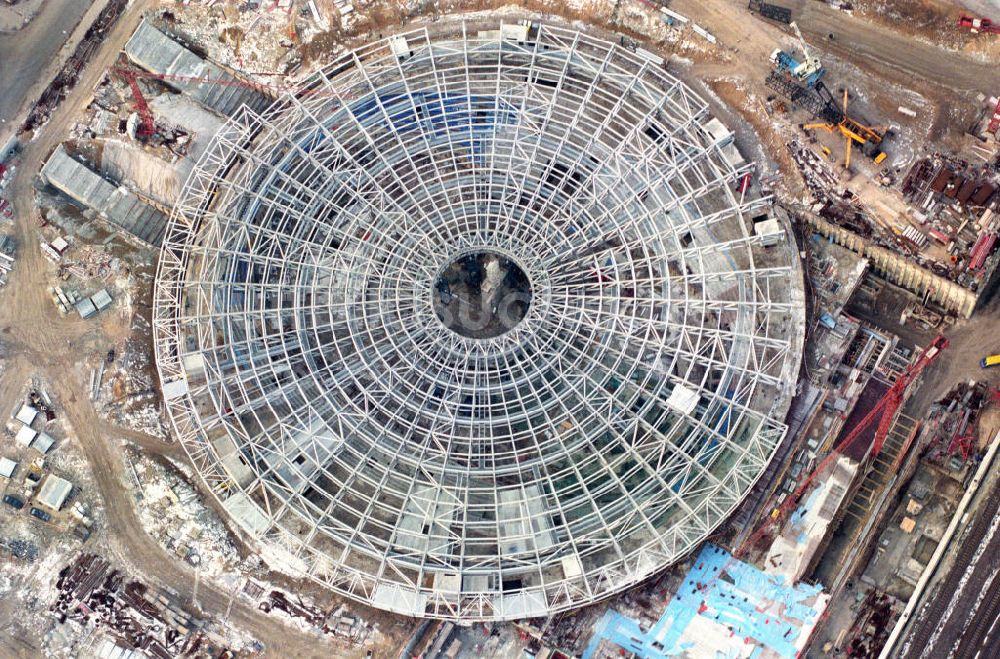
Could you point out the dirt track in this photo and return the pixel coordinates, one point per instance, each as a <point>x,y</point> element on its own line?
<point>878,49</point>
<point>46,343</point>
<point>29,55</point>
<point>41,342</point>
<point>873,48</point>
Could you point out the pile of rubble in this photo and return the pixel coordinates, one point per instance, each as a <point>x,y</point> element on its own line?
<point>128,394</point>
<point>950,434</point>
<point>21,549</point>
<point>351,630</point>
<point>956,208</point>
<point>173,514</point>
<point>257,38</point>
<point>819,178</point>
<point>66,79</point>
<point>93,594</point>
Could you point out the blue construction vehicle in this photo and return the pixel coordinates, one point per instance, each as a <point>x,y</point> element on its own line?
<point>807,72</point>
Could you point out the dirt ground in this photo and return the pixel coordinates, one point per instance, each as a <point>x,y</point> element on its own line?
<point>773,140</point>
<point>887,52</point>
<point>934,21</point>
<point>29,55</point>
<point>924,18</point>
<point>40,341</point>
<point>16,16</point>
<point>989,425</point>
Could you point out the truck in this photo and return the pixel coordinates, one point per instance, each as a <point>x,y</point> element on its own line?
<point>991,360</point>
<point>806,72</point>
<point>13,501</point>
<point>41,514</point>
<point>977,25</point>
<point>774,12</point>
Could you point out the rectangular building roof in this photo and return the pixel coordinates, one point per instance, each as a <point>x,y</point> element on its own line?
<point>7,467</point>
<point>59,244</point>
<point>682,399</point>
<point>26,414</point>
<point>86,308</point>
<point>25,436</point>
<point>156,51</point>
<point>8,246</point>
<point>116,204</point>
<point>42,443</point>
<point>54,492</point>
<point>101,299</point>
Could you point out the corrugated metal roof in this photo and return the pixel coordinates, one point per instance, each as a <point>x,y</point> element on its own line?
<point>157,52</point>
<point>7,467</point>
<point>101,299</point>
<point>25,436</point>
<point>116,204</point>
<point>85,308</point>
<point>43,443</point>
<point>26,414</point>
<point>54,492</point>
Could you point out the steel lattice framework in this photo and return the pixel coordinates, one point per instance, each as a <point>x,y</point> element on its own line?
<point>359,440</point>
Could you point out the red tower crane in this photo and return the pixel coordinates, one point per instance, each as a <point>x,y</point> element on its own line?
<point>995,119</point>
<point>885,410</point>
<point>995,396</point>
<point>888,405</point>
<point>168,78</point>
<point>148,125</point>
<point>962,443</point>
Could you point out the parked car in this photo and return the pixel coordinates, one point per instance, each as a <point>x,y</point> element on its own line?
<point>41,514</point>
<point>13,501</point>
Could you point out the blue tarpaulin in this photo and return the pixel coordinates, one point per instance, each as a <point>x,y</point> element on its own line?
<point>750,605</point>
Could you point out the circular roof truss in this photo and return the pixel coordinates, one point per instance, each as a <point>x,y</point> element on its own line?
<point>453,466</point>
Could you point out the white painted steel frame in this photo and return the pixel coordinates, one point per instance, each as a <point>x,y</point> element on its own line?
<point>424,472</point>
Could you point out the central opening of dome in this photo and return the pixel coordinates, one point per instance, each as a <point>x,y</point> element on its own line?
<point>481,294</point>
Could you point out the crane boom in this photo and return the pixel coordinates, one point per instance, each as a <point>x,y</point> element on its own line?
<point>885,409</point>
<point>850,138</point>
<point>890,402</point>
<point>148,125</point>
<point>272,90</point>
<point>810,69</point>
<point>802,42</point>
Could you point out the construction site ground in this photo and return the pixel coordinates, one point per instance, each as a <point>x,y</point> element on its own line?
<point>949,605</point>
<point>39,342</point>
<point>31,55</point>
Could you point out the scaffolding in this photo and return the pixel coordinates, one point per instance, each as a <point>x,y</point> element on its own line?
<point>326,263</point>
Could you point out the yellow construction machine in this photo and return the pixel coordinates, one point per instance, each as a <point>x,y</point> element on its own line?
<point>854,131</point>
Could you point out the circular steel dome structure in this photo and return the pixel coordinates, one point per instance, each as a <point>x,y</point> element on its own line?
<point>477,327</point>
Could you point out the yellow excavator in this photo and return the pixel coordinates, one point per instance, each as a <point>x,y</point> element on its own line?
<point>854,131</point>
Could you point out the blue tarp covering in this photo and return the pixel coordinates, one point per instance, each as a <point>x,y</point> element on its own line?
<point>757,608</point>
